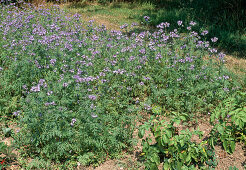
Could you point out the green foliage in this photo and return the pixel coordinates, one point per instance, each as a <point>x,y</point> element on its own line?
<point>157,110</point>
<point>229,120</point>
<point>7,132</point>
<point>212,162</point>
<point>6,154</point>
<point>233,168</point>
<point>222,18</point>
<point>74,88</point>
<point>51,134</point>
<point>175,148</point>
<point>39,164</point>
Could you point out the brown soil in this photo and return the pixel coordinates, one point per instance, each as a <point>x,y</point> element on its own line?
<point>131,160</point>
<point>225,160</point>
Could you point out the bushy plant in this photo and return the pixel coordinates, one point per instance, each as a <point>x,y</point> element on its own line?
<point>175,148</point>
<point>229,120</point>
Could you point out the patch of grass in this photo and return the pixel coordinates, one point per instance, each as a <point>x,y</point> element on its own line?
<point>113,15</point>
<point>224,18</point>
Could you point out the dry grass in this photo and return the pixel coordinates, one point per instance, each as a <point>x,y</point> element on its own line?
<point>236,65</point>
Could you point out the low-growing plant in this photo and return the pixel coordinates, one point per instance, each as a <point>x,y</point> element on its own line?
<point>229,120</point>
<point>174,148</point>
<point>233,168</point>
<point>6,154</point>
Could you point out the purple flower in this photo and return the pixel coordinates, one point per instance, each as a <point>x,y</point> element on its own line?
<point>147,107</point>
<point>123,26</point>
<point>119,71</point>
<point>214,39</point>
<point>193,33</point>
<point>92,97</point>
<point>94,115</point>
<point>188,28</point>
<point>24,87</point>
<point>35,88</point>
<point>180,22</point>
<point>103,80</point>
<point>205,32</point>
<point>192,23</point>
<point>138,67</point>
<point>192,67</point>
<point>221,56</point>
<point>146,78</point>
<point>49,93</point>
<point>166,24</point>
<point>1,68</point>
<point>41,81</point>
<point>102,74</point>
<point>129,88</point>
<point>226,89</point>
<point>17,113</point>
<point>92,106</point>
<point>163,25</point>
<point>134,24</point>
<point>146,18</point>
<point>65,84</point>
<point>213,50</point>
<point>142,51</point>
<point>73,121</point>
<point>158,56</point>
<point>51,103</point>
<point>141,83</point>
<point>182,47</point>
<point>53,61</point>
<point>226,77</point>
<point>131,58</point>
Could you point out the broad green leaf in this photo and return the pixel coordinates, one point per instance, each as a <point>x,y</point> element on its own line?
<point>188,158</point>
<point>166,166</point>
<point>212,118</point>
<point>169,133</point>
<point>182,118</point>
<point>220,129</point>
<point>165,138</point>
<point>232,143</point>
<point>141,132</point>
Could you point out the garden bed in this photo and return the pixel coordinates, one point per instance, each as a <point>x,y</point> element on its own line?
<point>78,95</point>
